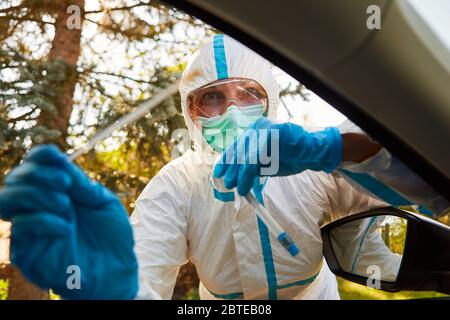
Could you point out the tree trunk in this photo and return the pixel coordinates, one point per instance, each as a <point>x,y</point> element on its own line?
<point>65,46</point>
<point>21,289</point>
<point>187,281</point>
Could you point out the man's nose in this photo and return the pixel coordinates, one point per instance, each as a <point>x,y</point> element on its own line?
<point>232,97</point>
<point>231,102</point>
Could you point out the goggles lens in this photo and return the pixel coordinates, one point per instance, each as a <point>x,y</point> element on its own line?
<point>213,99</point>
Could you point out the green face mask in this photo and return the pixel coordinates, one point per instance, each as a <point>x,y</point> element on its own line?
<point>221,130</point>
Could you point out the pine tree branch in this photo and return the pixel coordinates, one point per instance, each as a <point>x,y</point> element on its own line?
<point>22,117</point>
<point>9,32</point>
<point>139,4</point>
<point>86,72</point>
<point>26,18</point>
<point>7,10</point>
<point>92,21</point>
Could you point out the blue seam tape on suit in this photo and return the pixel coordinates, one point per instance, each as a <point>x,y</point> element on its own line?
<point>269,263</point>
<point>377,188</point>
<point>299,282</point>
<point>361,242</point>
<point>220,57</point>
<point>382,191</point>
<point>222,196</point>
<point>229,296</point>
<point>235,295</point>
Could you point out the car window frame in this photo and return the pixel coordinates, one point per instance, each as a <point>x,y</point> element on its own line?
<point>414,160</point>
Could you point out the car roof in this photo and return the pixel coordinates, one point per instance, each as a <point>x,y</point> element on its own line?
<point>390,81</point>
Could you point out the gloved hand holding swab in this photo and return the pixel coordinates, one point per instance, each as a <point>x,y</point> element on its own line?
<point>274,227</point>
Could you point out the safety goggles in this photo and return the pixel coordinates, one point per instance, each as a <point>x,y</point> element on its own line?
<point>213,99</point>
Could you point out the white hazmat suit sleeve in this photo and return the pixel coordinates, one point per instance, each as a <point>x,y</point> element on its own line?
<point>345,199</point>
<point>390,171</point>
<point>159,223</point>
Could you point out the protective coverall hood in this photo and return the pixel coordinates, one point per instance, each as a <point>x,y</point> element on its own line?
<point>219,58</point>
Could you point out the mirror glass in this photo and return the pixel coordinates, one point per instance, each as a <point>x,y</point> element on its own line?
<point>371,246</point>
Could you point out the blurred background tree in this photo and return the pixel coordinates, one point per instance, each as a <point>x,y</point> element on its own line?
<point>68,68</point>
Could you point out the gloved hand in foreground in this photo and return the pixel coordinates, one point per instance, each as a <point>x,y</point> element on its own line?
<point>65,225</point>
<point>298,150</point>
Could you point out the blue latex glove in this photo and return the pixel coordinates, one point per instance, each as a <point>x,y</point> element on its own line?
<point>61,218</point>
<point>299,150</point>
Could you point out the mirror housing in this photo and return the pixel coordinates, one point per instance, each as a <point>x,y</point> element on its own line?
<point>425,265</point>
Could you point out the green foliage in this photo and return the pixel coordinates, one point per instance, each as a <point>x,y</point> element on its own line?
<point>3,289</point>
<point>394,233</point>
<point>54,296</point>
<point>127,169</point>
<point>33,88</point>
<point>192,294</point>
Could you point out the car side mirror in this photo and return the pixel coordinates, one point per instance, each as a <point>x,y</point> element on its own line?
<point>389,249</point>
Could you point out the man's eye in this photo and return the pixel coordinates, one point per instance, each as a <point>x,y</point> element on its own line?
<point>254,92</point>
<point>212,97</point>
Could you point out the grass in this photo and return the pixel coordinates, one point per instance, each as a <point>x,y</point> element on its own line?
<point>353,291</point>
<point>192,294</point>
<point>348,291</point>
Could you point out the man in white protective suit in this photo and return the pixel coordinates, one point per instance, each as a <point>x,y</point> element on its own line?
<point>180,216</point>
